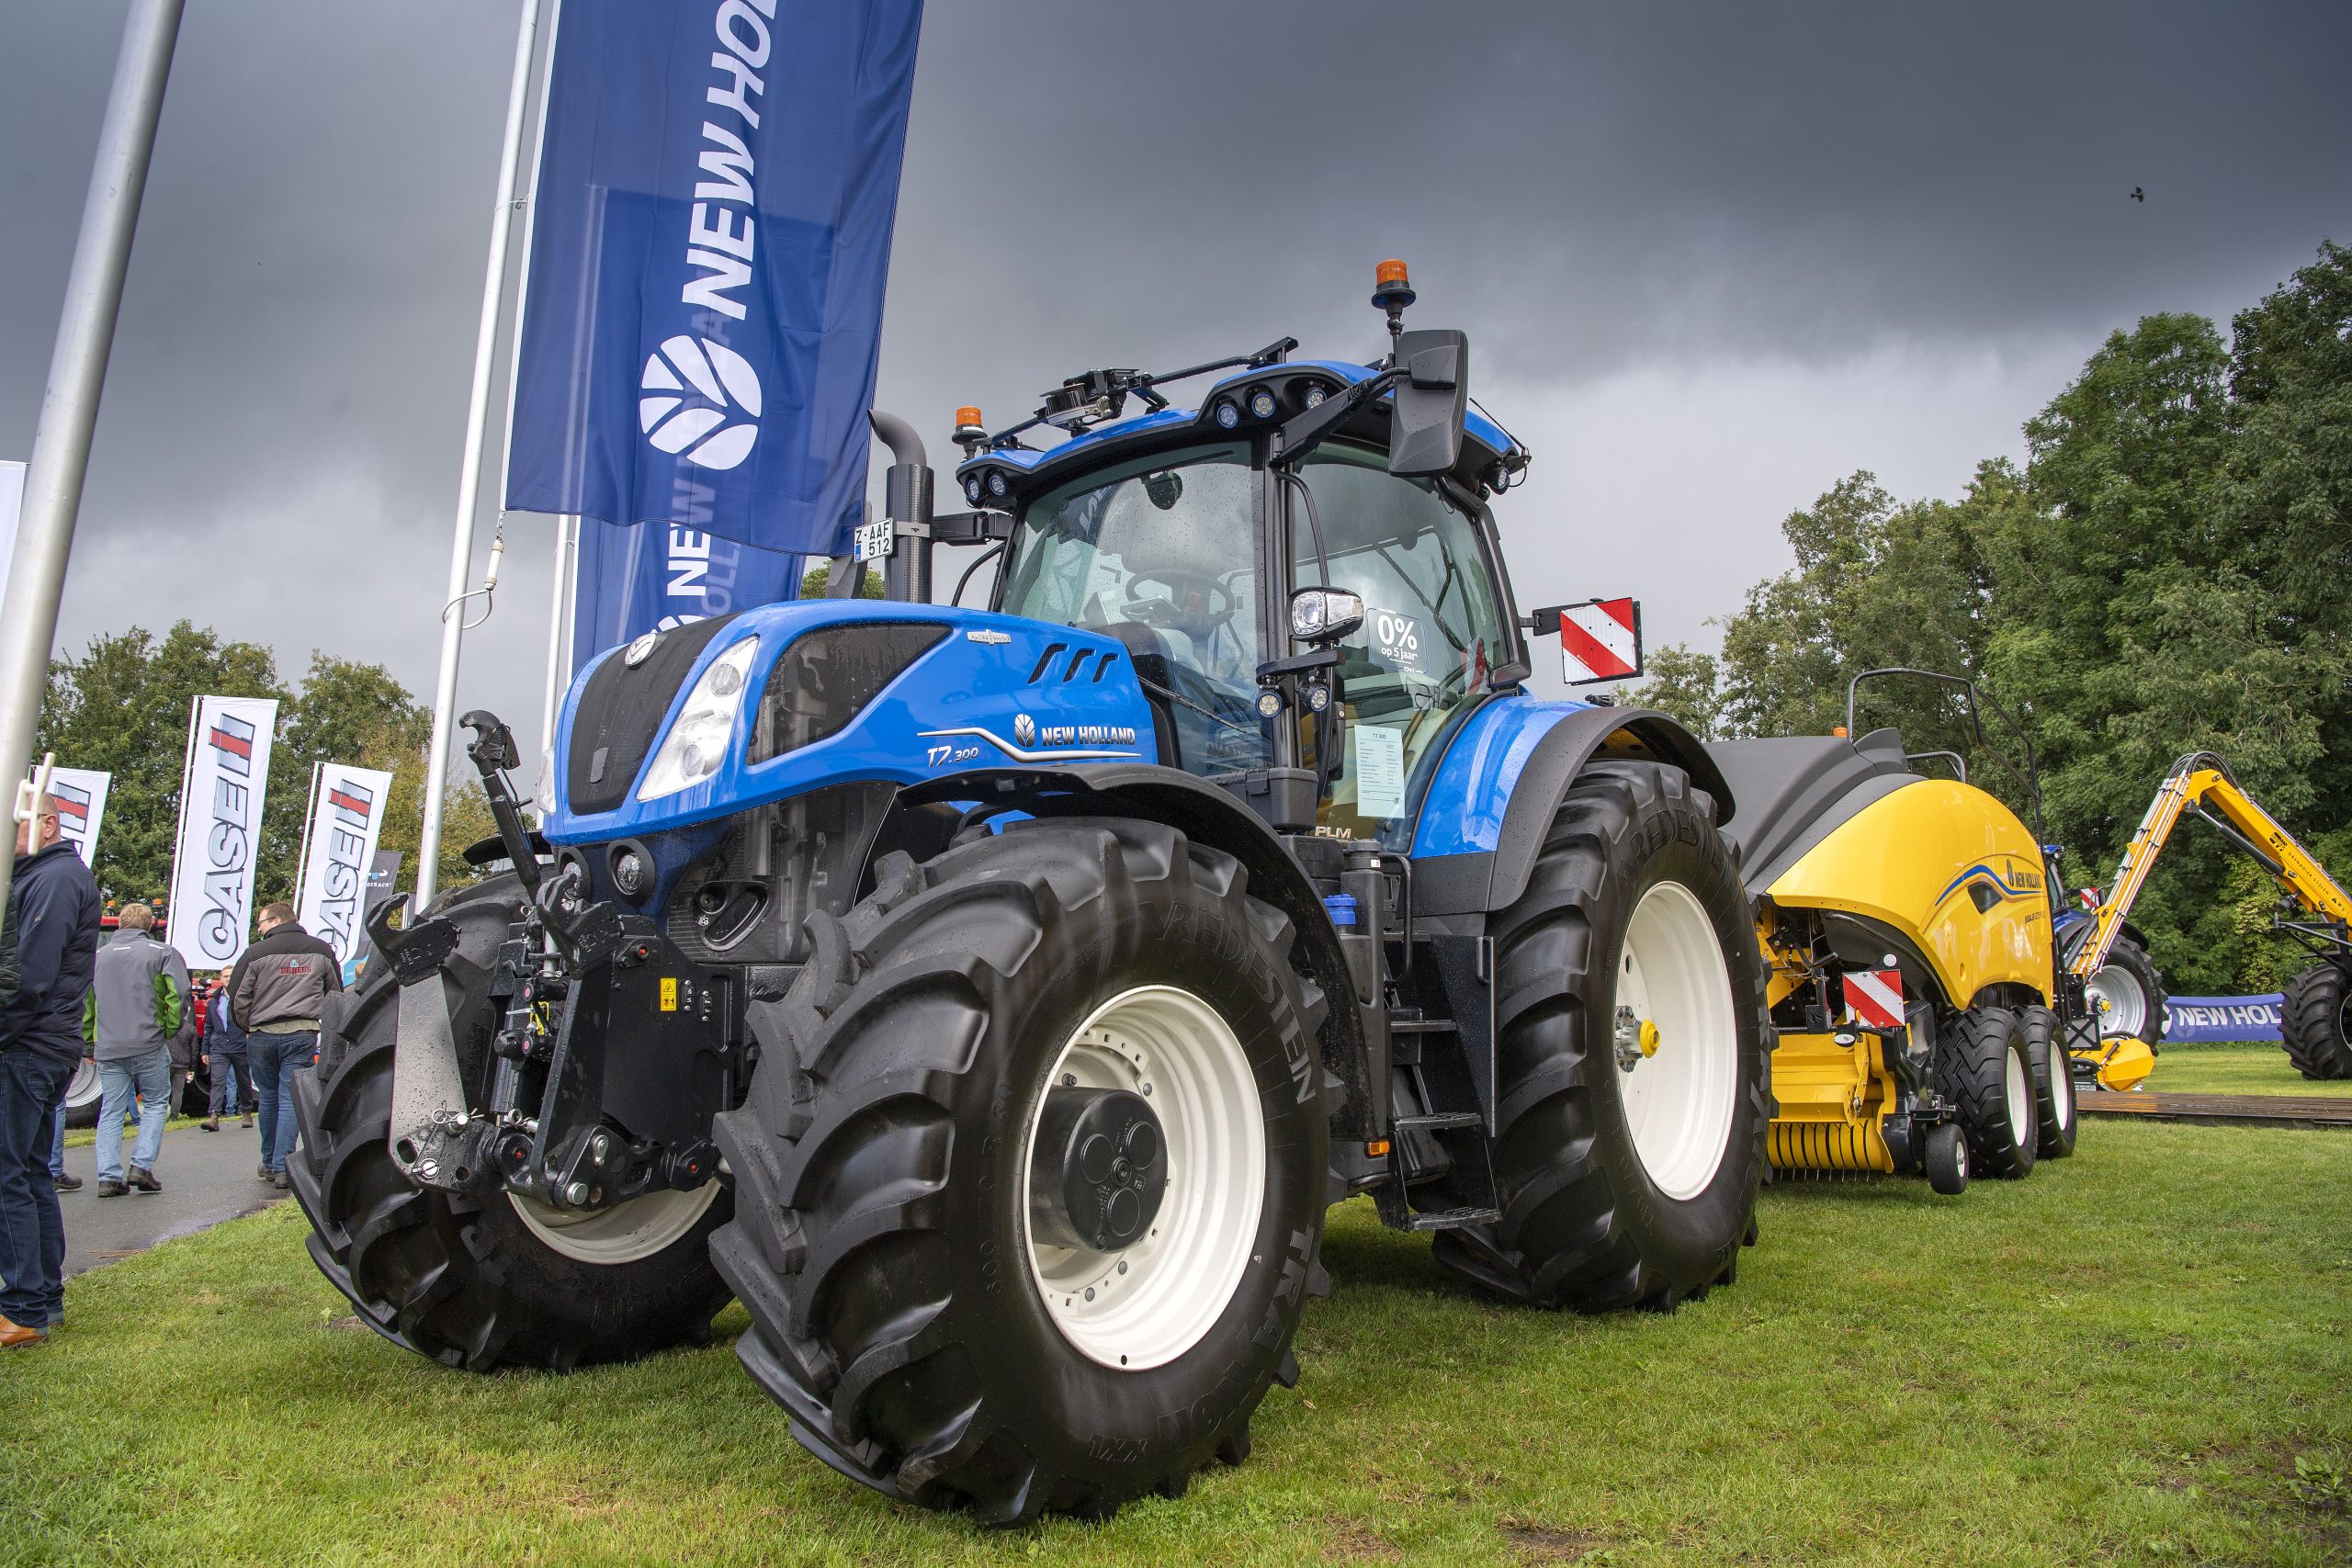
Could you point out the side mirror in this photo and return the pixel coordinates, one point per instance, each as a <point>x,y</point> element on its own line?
<point>1324,614</point>
<point>1431,398</point>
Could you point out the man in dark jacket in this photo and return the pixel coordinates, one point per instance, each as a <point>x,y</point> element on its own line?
<point>54,906</point>
<point>224,1054</point>
<point>277,993</point>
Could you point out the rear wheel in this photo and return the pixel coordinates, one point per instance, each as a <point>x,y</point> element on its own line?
<point>2127,995</point>
<point>1631,1063</point>
<point>1032,1171</point>
<point>502,1281</point>
<point>1983,1069</point>
<point>2316,1022</point>
<point>2053,1085</point>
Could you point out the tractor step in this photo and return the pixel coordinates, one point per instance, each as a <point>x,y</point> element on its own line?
<point>1443,1121</point>
<point>1423,1026</point>
<point>1451,1219</point>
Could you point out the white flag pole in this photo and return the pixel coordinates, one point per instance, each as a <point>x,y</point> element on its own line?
<point>566,563</point>
<point>179,827</point>
<point>77,370</point>
<point>461,545</point>
<point>310,812</point>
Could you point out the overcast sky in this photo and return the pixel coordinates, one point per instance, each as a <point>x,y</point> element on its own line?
<point>1710,258</point>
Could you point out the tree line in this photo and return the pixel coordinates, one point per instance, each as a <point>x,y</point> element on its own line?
<point>2169,571</point>
<point>122,707</point>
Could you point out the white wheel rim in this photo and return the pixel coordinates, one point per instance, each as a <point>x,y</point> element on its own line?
<point>84,1086</point>
<point>2062,1087</point>
<point>1679,1100</point>
<point>2018,1089</point>
<point>2117,999</point>
<point>625,1233</point>
<point>1149,1302</point>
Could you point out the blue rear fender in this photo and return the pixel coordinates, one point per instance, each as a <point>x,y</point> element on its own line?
<point>994,692</point>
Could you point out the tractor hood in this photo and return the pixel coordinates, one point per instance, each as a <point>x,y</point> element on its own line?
<point>685,727</point>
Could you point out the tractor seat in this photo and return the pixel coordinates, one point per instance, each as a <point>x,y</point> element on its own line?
<point>1795,791</point>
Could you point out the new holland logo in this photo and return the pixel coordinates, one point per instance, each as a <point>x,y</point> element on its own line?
<point>701,400</point>
<point>1025,730</point>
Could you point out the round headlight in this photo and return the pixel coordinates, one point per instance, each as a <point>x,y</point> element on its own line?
<point>1316,393</point>
<point>1262,402</point>
<point>1270,705</point>
<point>1228,414</point>
<point>997,486</point>
<point>724,679</point>
<point>628,873</point>
<point>972,489</point>
<point>1319,698</point>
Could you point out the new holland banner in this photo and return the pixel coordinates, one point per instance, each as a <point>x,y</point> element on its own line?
<point>715,194</point>
<point>210,915</point>
<point>634,581</point>
<point>80,796</point>
<point>338,849</point>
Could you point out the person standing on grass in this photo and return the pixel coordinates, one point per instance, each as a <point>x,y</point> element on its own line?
<point>224,1053</point>
<point>138,1009</point>
<point>276,994</point>
<point>53,909</point>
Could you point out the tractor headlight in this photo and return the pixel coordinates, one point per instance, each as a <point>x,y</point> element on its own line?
<point>1228,414</point>
<point>1262,402</point>
<point>972,489</point>
<point>697,743</point>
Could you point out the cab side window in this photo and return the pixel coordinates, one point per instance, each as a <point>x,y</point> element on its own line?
<point>1432,633</point>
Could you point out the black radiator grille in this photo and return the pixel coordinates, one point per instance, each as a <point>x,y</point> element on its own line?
<point>620,712</point>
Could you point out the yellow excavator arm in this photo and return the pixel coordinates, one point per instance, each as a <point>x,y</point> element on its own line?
<point>2197,780</point>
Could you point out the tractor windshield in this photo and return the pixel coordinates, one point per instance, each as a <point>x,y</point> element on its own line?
<point>1163,556</point>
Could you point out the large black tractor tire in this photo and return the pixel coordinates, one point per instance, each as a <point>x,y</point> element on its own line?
<point>1585,1222</point>
<point>2130,979</point>
<point>473,1284</point>
<point>1983,1068</point>
<point>84,1095</point>
<point>882,1238</point>
<point>2054,1111</point>
<point>2316,1022</point>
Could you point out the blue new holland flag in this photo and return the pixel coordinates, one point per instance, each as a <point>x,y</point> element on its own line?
<point>715,195</point>
<point>658,575</point>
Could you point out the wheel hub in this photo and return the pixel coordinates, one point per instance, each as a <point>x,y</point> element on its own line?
<point>1099,1169</point>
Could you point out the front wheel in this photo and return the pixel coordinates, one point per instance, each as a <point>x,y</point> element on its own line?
<point>2053,1084</point>
<point>2315,1023</point>
<point>504,1281</point>
<point>1983,1069</point>
<point>1032,1171</point>
<point>1633,1068</point>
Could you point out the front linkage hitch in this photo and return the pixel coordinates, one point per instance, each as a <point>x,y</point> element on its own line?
<point>609,1051</point>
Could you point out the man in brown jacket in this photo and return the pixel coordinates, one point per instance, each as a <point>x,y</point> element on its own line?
<point>277,993</point>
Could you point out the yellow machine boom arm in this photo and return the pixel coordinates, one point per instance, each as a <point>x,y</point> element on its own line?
<point>2195,781</point>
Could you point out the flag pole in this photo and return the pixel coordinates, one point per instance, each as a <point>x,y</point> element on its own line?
<point>302,859</point>
<point>461,544</point>
<point>77,370</point>
<point>567,559</point>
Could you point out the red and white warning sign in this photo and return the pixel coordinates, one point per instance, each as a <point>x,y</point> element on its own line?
<point>1874,997</point>
<point>1600,639</point>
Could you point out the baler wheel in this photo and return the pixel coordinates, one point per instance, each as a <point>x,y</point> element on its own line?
<point>471,1284</point>
<point>1633,1057</point>
<point>2316,1022</point>
<point>1983,1069</point>
<point>1032,1171</point>
<point>2053,1085</point>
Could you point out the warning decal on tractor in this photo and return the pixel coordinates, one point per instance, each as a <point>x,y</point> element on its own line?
<point>1600,639</point>
<point>1874,997</point>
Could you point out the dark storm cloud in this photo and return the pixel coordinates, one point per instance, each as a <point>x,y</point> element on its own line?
<point>1609,199</point>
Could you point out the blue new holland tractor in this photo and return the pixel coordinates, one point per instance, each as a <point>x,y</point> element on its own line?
<point>994,1000</point>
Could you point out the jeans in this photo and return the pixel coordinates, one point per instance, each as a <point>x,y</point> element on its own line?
<point>232,1084</point>
<point>57,1140</point>
<point>150,1079</point>
<point>276,1059</point>
<point>32,1227</point>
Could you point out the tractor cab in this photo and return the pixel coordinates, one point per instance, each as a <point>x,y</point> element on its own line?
<point>1303,571</point>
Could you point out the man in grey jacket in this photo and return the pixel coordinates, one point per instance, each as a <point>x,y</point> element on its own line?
<point>276,994</point>
<point>137,1007</point>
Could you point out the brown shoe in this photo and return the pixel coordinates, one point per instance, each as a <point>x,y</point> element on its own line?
<point>16,1336</point>
<point>144,1181</point>
<point>249,1118</point>
<point>210,1124</point>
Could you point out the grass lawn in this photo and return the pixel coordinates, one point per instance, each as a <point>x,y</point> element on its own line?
<point>2140,1355</point>
<point>2252,1067</point>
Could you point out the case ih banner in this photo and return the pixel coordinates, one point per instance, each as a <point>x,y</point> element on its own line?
<point>80,796</point>
<point>210,915</point>
<point>716,194</point>
<point>338,849</point>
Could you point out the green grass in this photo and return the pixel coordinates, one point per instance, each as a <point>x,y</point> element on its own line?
<point>2140,1355</point>
<point>2251,1067</point>
<point>82,1137</point>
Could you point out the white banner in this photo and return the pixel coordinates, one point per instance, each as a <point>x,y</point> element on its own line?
<point>80,796</point>
<point>12,505</point>
<point>338,848</point>
<point>211,912</point>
